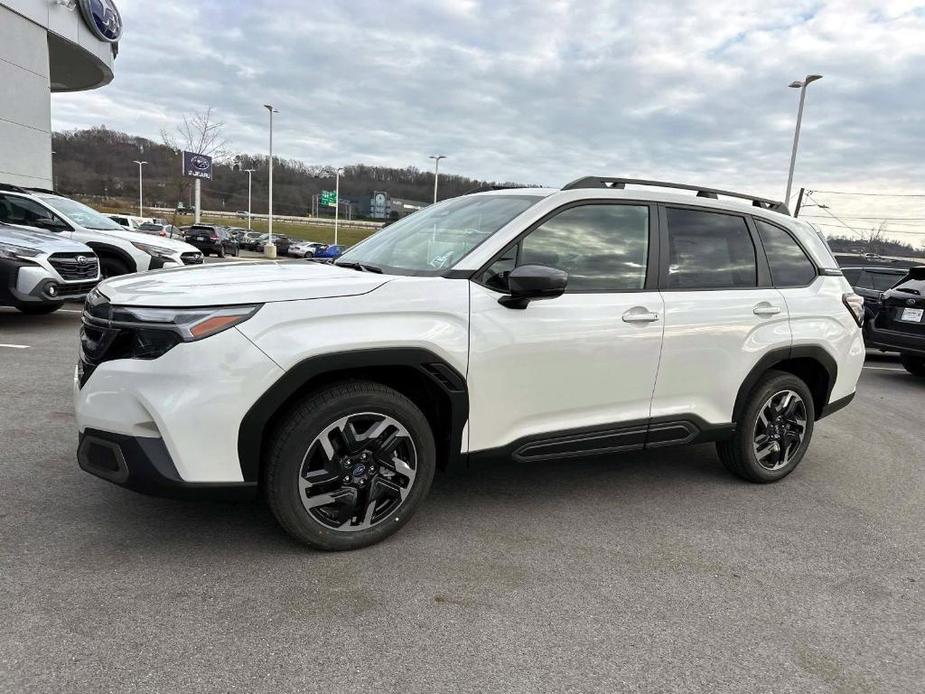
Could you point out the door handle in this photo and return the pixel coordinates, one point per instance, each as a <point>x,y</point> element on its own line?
<point>766,309</point>
<point>639,315</point>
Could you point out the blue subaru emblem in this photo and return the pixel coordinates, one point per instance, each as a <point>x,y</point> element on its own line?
<point>201,163</point>
<point>103,19</point>
<point>359,470</point>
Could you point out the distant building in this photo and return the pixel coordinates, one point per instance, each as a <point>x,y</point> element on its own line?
<point>381,205</point>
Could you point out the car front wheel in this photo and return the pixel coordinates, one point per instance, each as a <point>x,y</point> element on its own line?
<point>772,432</point>
<point>349,465</point>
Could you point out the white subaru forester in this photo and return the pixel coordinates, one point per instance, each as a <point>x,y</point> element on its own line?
<point>532,324</point>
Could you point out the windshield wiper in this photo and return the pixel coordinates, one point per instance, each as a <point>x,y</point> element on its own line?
<point>362,267</point>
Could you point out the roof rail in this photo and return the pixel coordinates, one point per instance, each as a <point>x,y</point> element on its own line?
<point>11,188</point>
<point>712,193</point>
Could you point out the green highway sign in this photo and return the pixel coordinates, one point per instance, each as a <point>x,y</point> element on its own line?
<point>328,198</point>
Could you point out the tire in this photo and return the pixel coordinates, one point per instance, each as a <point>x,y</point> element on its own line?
<point>912,364</point>
<point>396,465</point>
<point>112,267</point>
<point>760,453</point>
<point>237,251</point>
<point>39,309</point>
<point>221,251</point>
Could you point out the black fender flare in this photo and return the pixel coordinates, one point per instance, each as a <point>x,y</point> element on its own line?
<point>441,374</point>
<point>782,354</point>
<point>103,249</point>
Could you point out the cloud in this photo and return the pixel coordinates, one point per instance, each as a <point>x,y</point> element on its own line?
<point>543,91</point>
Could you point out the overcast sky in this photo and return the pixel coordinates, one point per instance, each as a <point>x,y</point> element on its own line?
<point>547,91</point>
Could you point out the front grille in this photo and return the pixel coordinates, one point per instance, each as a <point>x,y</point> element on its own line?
<point>191,258</point>
<point>76,290</point>
<point>75,266</point>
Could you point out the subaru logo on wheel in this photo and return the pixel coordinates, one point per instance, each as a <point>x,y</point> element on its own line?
<point>103,19</point>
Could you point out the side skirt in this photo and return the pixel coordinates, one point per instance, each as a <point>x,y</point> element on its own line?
<point>638,435</point>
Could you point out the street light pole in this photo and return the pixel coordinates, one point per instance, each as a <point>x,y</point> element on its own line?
<point>269,249</point>
<point>801,85</point>
<point>436,158</point>
<point>337,174</point>
<point>249,172</point>
<point>140,186</point>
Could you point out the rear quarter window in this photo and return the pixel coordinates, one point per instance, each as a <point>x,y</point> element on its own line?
<point>790,266</point>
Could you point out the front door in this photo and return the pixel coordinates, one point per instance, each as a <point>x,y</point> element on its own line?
<point>574,374</point>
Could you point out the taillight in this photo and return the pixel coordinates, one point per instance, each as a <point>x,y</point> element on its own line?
<point>855,304</point>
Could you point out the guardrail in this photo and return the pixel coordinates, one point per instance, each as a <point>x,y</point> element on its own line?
<point>320,221</point>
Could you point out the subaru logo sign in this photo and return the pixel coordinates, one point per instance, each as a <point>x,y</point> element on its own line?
<point>82,260</point>
<point>197,165</point>
<point>103,19</point>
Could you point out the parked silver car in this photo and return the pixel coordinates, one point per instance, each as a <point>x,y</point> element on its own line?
<point>39,271</point>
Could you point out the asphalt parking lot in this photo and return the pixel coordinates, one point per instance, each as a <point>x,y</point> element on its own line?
<point>654,571</point>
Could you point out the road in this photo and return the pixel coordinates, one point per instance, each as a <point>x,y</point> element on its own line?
<point>653,571</point>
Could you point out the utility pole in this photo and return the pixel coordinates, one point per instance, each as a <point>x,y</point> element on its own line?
<point>436,158</point>
<point>337,174</point>
<point>249,172</point>
<point>140,187</point>
<point>801,85</point>
<point>269,249</point>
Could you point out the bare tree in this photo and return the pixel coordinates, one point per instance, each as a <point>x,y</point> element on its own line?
<point>199,133</point>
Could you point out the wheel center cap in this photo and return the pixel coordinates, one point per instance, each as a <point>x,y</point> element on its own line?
<point>358,470</point>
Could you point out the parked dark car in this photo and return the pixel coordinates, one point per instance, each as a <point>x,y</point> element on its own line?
<point>870,281</point>
<point>281,241</point>
<point>899,325</point>
<point>212,239</point>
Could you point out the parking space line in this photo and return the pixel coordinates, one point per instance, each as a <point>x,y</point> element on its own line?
<point>882,368</point>
<point>70,310</point>
<point>15,346</point>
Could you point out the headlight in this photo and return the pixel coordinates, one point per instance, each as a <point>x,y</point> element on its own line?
<point>10,252</point>
<point>154,251</point>
<point>189,324</point>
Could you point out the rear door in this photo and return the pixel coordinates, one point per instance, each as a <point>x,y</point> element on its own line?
<point>721,313</point>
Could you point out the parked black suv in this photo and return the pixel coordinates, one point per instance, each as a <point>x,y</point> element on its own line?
<point>870,280</point>
<point>212,239</point>
<point>899,326</point>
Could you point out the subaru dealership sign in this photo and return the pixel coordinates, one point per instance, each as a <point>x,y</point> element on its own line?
<point>103,18</point>
<point>197,165</point>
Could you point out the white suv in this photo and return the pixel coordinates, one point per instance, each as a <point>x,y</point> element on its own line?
<point>530,323</point>
<point>120,251</point>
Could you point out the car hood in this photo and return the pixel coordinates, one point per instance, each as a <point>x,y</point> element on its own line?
<point>138,237</point>
<point>47,242</point>
<point>239,283</point>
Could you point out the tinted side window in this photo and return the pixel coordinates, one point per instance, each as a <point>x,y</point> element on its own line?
<point>601,247</point>
<point>881,281</point>
<point>14,210</point>
<point>708,250</point>
<point>789,265</point>
<point>852,275</point>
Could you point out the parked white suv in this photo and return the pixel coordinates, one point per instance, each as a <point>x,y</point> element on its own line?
<point>120,251</point>
<point>533,324</point>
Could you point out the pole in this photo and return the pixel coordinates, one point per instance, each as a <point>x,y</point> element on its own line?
<point>796,142</point>
<point>796,212</point>
<point>270,207</point>
<point>250,173</point>
<point>198,189</point>
<point>336,202</point>
<point>140,187</point>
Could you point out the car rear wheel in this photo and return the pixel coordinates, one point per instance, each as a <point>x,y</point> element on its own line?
<point>772,432</point>
<point>221,252</point>
<point>349,465</point>
<point>914,365</point>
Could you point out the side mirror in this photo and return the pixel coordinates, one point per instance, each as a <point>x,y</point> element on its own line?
<point>532,282</point>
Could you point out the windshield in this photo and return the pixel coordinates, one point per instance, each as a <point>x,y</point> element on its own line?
<point>80,214</point>
<point>436,238</point>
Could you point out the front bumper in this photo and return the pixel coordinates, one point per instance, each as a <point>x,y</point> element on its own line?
<point>32,283</point>
<point>144,465</point>
<point>192,399</point>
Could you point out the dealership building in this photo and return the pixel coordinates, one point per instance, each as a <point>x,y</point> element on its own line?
<point>47,46</point>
